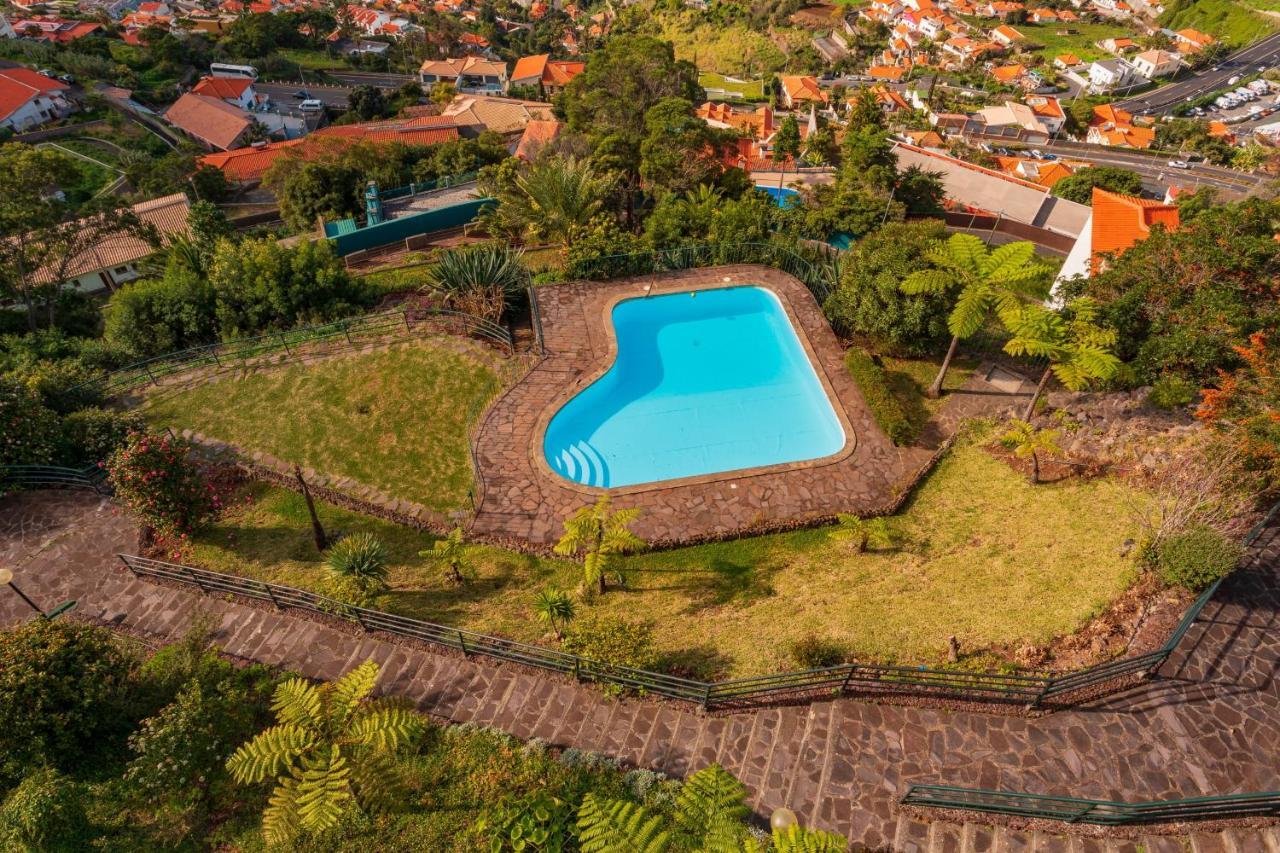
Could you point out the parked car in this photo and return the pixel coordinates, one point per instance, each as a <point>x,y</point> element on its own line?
<point>1180,164</point>
<point>311,106</point>
<point>301,95</point>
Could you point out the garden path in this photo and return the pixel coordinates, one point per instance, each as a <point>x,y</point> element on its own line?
<point>1211,725</point>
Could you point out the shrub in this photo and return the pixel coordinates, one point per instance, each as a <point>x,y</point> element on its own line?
<point>885,407</point>
<point>533,821</point>
<point>360,557</point>
<point>1196,557</point>
<point>92,435</point>
<point>60,689</point>
<point>480,279</point>
<point>869,302</point>
<point>601,250</point>
<point>813,652</point>
<point>44,813</point>
<point>156,316</point>
<point>1173,391</point>
<point>156,480</point>
<point>28,430</point>
<point>63,386</point>
<point>612,641</point>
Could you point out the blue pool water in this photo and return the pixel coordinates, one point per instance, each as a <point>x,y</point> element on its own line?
<point>782,196</point>
<point>703,382</point>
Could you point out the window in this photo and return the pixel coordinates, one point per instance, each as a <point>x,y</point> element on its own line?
<point>121,270</point>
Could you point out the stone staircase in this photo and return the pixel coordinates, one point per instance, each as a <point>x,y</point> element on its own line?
<point>916,834</point>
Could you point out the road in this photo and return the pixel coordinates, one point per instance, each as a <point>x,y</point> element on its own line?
<point>364,78</point>
<point>282,94</point>
<point>1156,170</point>
<point>1247,60</point>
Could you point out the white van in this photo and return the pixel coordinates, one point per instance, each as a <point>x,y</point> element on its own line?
<point>311,106</point>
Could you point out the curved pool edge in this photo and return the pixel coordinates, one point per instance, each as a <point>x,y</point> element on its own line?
<point>537,455</point>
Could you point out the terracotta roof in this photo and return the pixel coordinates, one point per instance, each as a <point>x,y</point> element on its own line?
<point>467,65</point>
<point>1067,59</point>
<point>503,115</point>
<point>803,89</point>
<point>530,68</point>
<point>1121,221</point>
<point>211,120</point>
<point>225,88</point>
<point>169,216</point>
<point>537,134</point>
<point>1008,73</point>
<point>886,72</point>
<point>20,85</point>
<point>561,72</point>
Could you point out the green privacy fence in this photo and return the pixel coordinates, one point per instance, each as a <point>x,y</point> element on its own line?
<point>365,328</point>
<point>349,240</point>
<point>1030,691</point>
<point>1096,812</point>
<point>817,268</point>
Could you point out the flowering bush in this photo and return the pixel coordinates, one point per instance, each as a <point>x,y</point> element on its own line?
<point>154,478</point>
<point>28,431</point>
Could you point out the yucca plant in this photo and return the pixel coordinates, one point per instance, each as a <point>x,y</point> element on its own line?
<point>451,553</point>
<point>362,558</point>
<point>330,751</point>
<point>984,280</point>
<point>710,814</point>
<point>865,531</point>
<point>600,535</point>
<point>479,279</point>
<point>555,608</point>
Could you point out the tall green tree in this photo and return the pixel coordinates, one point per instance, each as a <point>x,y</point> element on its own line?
<point>680,151</point>
<point>786,145</point>
<point>1078,349</point>
<point>600,535</point>
<point>983,281</point>
<point>329,753</point>
<point>1078,187</point>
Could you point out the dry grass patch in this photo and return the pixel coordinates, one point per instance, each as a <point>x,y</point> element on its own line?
<point>396,419</point>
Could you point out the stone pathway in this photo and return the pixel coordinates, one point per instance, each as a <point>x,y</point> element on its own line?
<point>1210,726</point>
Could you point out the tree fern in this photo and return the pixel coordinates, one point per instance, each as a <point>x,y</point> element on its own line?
<point>385,728</point>
<point>346,693</point>
<point>271,753</point>
<point>297,701</point>
<point>710,798</point>
<point>280,821</point>
<point>614,826</point>
<point>323,791</point>
<point>799,840</point>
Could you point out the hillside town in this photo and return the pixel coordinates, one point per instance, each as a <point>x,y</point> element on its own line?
<point>659,426</point>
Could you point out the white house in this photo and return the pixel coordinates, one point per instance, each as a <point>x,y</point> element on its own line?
<point>471,74</point>
<point>1108,74</point>
<point>1155,63</point>
<point>28,99</point>
<point>237,91</point>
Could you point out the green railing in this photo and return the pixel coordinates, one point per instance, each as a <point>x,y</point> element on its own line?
<point>845,679</point>
<point>1098,812</point>
<point>818,269</point>
<point>53,477</point>
<point>428,186</point>
<point>364,328</point>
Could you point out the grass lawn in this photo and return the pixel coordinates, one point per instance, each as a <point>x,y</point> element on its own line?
<point>396,279</point>
<point>396,419</point>
<point>979,553</point>
<point>1080,41</point>
<point>1234,23</point>
<point>752,90</point>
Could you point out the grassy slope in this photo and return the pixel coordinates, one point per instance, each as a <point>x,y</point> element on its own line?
<point>752,90</point>
<point>981,554</point>
<point>396,419</point>
<point>1081,41</point>
<point>1234,23</point>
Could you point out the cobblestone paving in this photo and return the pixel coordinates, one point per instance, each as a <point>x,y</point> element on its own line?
<point>522,499</point>
<point>1210,725</point>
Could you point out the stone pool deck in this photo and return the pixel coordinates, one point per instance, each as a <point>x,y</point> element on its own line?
<point>522,499</point>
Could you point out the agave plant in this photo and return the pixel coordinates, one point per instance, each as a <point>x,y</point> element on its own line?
<point>362,558</point>
<point>479,279</point>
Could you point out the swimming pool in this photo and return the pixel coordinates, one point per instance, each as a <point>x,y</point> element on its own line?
<point>782,196</point>
<point>703,382</point>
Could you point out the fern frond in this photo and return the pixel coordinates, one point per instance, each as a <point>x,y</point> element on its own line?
<point>967,252</point>
<point>386,727</point>
<point>709,796</point>
<point>298,702</point>
<point>614,826</point>
<point>799,840</point>
<point>270,753</point>
<point>377,782</point>
<point>347,692</point>
<point>927,281</point>
<point>1006,259</point>
<point>324,791</point>
<point>280,823</point>
<point>970,311</point>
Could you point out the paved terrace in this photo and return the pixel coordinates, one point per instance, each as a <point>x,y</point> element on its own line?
<point>1210,726</point>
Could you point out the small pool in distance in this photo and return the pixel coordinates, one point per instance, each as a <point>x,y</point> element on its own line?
<point>704,382</point>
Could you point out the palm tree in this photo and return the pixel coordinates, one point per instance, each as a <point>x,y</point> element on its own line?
<point>550,200</point>
<point>1028,442</point>
<point>555,608</point>
<point>451,553</point>
<point>1077,347</point>
<point>600,536</point>
<point>865,531</point>
<point>329,752</point>
<point>984,280</point>
<point>709,814</point>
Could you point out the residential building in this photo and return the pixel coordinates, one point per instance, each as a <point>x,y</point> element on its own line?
<point>1066,61</point>
<point>1155,63</point>
<point>1116,223</point>
<point>1048,110</point>
<point>1106,75</point>
<point>1113,126</point>
<point>548,75</point>
<point>474,114</point>
<point>1192,41</point>
<point>754,125</point>
<point>1007,35</point>
<point>471,75</point>
<point>28,99</point>
<point>115,259</point>
<point>53,29</point>
<point>537,135</point>
<point>236,91</point>
<point>801,91</point>
<point>212,122</point>
<point>1119,46</point>
<point>886,73</point>
<point>1013,114</point>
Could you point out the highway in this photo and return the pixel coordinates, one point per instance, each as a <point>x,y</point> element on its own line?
<point>282,94</point>
<point>365,78</point>
<point>1264,53</point>
<point>1156,169</point>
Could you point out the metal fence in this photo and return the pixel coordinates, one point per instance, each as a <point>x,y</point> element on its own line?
<point>428,186</point>
<point>1030,691</point>
<point>362,328</point>
<point>1097,812</point>
<point>818,269</point>
<point>53,477</point>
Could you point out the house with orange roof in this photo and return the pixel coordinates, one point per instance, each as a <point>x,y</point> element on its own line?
<point>1009,75</point>
<point>799,91</point>
<point>1119,46</point>
<point>926,139</point>
<point>237,91</point>
<point>887,73</point>
<point>1192,41</point>
<point>1220,130</point>
<point>1113,126</point>
<point>538,134</point>
<point>470,74</point>
<point>1043,15</point>
<point>211,122</point>
<point>1120,222</point>
<point>1007,35</point>
<point>1156,63</point>
<point>52,29</point>
<point>29,99</point>
<point>548,75</point>
<point>756,125</point>
<point>1048,110</point>
<point>1046,173</point>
